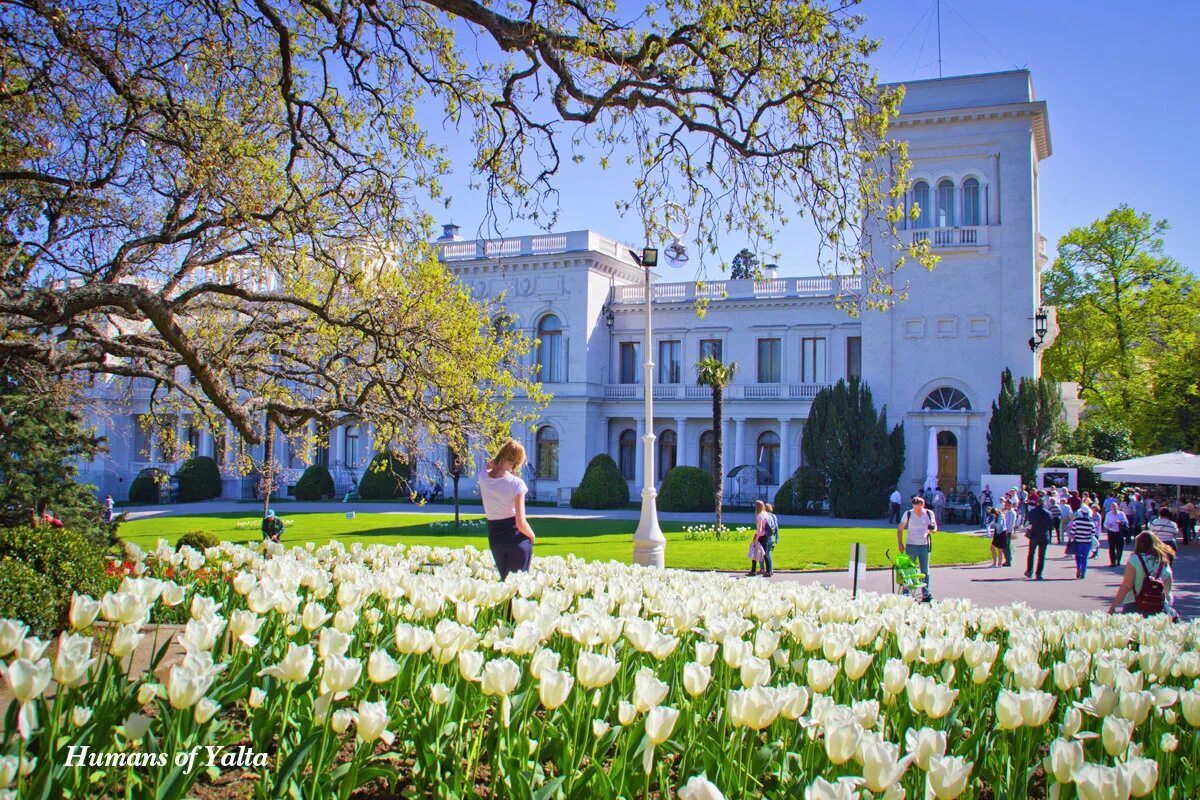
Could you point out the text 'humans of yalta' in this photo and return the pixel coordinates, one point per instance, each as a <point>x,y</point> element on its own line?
<point>208,756</point>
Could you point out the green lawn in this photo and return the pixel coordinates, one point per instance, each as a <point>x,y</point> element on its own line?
<point>593,539</point>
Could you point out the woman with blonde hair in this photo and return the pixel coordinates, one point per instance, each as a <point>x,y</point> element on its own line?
<point>503,493</point>
<point>756,552</point>
<point>1150,562</point>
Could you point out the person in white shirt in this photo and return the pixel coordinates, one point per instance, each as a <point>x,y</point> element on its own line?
<point>1115,523</point>
<point>920,524</point>
<point>1008,516</point>
<point>1165,529</point>
<point>503,494</point>
<point>895,500</point>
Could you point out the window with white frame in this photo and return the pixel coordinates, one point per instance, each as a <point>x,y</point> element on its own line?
<point>670,353</point>
<point>666,453</point>
<point>970,199</point>
<point>770,362</point>
<point>921,201</point>
<point>853,357</point>
<point>768,454</point>
<point>812,360</point>
<point>550,350</point>
<point>708,450</point>
<point>628,369</point>
<point>351,453</point>
<point>627,453</point>
<point>547,453</point>
<point>945,203</point>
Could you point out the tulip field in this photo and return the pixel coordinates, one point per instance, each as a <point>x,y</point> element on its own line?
<point>392,671</point>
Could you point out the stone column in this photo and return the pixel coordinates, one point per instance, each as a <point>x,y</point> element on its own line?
<point>338,442</point>
<point>682,455</point>
<point>638,460</point>
<point>739,442</point>
<point>206,443</point>
<point>785,449</point>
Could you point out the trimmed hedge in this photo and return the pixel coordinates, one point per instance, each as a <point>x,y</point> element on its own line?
<point>386,478</point>
<point>803,493</point>
<point>315,484</point>
<point>146,487</point>
<point>687,489</point>
<point>602,485</point>
<point>199,479</point>
<point>198,540</point>
<point>64,557</point>
<point>29,596</point>
<point>1089,479</point>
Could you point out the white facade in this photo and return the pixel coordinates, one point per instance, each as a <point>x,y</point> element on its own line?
<point>975,143</point>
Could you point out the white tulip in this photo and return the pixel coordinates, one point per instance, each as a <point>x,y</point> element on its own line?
<point>1036,707</point>
<point>1008,710</point>
<point>895,677</point>
<point>881,763</point>
<point>648,690</point>
<point>595,671</point>
<point>125,641</point>
<point>1065,758</point>
<point>80,716</point>
<point>205,710</point>
<point>705,652</point>
<point>821,675</point>
<point>924,744</point>
<point>1189,704</point>
<point>340,720</point>
<point>841,789</point>
<point>28,679</point>
<point>554,688</point>
<point>295,667</point>
<point>755,671</point>
<point>135,727</point>
<point>73,659</point>
<point>1115,734</point>
<point>500,677</point>
<point>543,659</point>
<point>699,787</point>
<point>257,697</point>
<point>469,664</point>
<point>1168,743</point>
<point>83,613</point>
<point>1096,782</point>
<point>857,663</point>
<point>696,678</point>
<point>842,739</point>
<point>381,667</point>
<point>600,727</point>
<point>332,642</point>
<point>372,723</point>
<point>173,595</point>
<point>947,777</point>
<point>626,713</point>
<point>339,674</point>
<point>439,693</point>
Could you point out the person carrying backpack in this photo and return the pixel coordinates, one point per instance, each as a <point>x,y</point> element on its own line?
<point>1146,586</point>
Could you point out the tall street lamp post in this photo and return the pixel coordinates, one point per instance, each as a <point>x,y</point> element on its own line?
<point>649,544</point>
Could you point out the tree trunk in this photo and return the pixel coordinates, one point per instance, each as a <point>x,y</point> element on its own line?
<point>268,468</point>
<point>456,501</point>
<point>718,465</point>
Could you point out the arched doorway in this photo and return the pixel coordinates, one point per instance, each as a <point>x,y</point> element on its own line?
<point>947,449</point>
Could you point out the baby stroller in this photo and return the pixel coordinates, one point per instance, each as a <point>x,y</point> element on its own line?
<point>906,573</point>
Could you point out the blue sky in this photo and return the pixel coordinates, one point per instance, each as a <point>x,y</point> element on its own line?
<point>1118,77</point>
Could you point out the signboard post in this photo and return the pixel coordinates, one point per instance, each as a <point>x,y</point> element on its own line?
<point>858,564</point>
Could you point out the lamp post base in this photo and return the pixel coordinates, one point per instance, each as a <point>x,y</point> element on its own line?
<point>649,544</point>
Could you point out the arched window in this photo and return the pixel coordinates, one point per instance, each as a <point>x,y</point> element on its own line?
<point>666,453</point>
<point>971,211</point>
<point>945,212</point>
<point>627,454</point>
<point>921,201</point>
<point>547,453</point>
<point>351,452</point>
<point>708,450</point>
<point>946,398</point>
<point>768,454</point>
<point>550,350</point>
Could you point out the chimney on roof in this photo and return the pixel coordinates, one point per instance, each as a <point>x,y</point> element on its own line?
<point>771,271</point>
<point>450,233</point>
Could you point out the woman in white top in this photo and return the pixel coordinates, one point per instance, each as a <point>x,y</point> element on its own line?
<point>503,494</point>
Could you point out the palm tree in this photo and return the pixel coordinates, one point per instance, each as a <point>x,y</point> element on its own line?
<point>711,372</point>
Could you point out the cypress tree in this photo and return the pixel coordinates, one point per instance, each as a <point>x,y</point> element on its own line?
<point>848,443</point>
<point>1003,438</point>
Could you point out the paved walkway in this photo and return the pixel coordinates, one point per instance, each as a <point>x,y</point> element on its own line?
<point>998,586</point>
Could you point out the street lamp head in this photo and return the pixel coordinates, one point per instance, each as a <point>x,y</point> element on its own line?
<point>1041,323</point>
<point>610,317</point>
<point>677,253</point>
<point>649,257</point>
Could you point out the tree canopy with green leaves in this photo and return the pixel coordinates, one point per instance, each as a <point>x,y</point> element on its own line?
<point>228,199</point>
<point>744,265</point>
<point>1129,328</point>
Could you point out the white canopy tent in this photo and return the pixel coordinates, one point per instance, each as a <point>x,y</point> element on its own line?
<point>1162,459</point>
<point>1178,474</point>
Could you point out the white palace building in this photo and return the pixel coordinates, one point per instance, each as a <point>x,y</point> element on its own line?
<point>976,144</point>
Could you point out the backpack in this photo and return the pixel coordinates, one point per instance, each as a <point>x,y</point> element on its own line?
<point>772,526</point>
<point>1152,597</point>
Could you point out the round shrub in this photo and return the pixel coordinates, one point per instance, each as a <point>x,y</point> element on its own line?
<point>198,540</point>
<point>602,485</point>
<point>65,557</point>
<point>386,478</point>
<point>803,493</point>
<point>199,479</point>
<point>147,486</point>
<point>315,484</point>
<point>1089,479</point>
<point>687,489</point>
<point>29,596</point>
